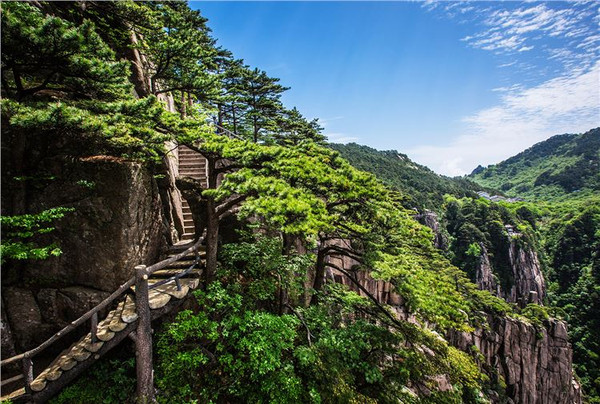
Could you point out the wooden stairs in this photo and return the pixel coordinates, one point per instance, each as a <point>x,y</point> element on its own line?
<point>167,289</point>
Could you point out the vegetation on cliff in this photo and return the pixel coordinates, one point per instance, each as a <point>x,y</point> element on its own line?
<point>558,221</point>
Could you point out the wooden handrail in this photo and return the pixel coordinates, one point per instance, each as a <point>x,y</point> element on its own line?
<point>228,132</point>
<point>164,263</point>
<point>122,289</point>
<point>32,352</point>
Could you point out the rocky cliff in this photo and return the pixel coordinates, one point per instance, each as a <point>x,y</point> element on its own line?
<point>431,220</point>
<point>116,224</point>
<point>527,284</point>
<point>526,363</point>
<point>532,363</point>
<point>525,278</point>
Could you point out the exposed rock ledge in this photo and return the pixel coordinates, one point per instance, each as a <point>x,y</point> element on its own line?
<point>534,363</point>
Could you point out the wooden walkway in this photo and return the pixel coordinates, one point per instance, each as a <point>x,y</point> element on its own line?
<point>150,294</point>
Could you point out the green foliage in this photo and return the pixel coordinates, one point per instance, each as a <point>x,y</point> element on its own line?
<point>47,53</point>
<point>238,345</point>
<point>474,250</point>
<point>572,241</point>
<point>535,313</point>
<point>474,224</point>
<point>108,381</point>
<point>18,233</point>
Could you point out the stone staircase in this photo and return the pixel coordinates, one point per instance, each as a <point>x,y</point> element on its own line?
<point>191,164</point>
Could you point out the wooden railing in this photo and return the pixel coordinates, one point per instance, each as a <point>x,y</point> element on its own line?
<point>227,132</point>
<point>143,335</point>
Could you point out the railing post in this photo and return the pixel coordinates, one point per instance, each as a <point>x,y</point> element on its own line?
<point>28,374</point>
<point>143,342</point>
<point>94,327</point>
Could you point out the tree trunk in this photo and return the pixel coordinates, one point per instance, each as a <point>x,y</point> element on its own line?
<point>319,275</point>
<point>212,242</point>
<point>234,119</point>
<point>138,76</point>
<point>143,354</point>
<point>212,226</point>
<point>182,110</point>
<point>220,116</point>
<point>255,122</point>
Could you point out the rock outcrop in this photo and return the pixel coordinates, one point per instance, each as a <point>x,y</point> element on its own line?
<point>528,364</point>
<point>484,276</point>
<point>431,220</point>
<point>527,284</point>
<point>532,363</point>
<point>117,223</point>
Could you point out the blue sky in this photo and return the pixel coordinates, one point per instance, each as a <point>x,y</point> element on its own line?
<point>452,84</point>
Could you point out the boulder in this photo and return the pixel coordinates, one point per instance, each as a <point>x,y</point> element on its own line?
<point>75,301</point>
<point>25,318</point>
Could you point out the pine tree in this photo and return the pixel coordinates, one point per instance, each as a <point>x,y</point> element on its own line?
<point>294,128</point>
<point>262,95</point>
<point>44,53</point>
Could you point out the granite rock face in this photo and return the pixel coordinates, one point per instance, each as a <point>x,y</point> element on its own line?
<point>527,281</point>
<point>116,224</point>
<point>484,276</point>
<point>529,284</point>
<point>431,220</point>
<point>533,362</point>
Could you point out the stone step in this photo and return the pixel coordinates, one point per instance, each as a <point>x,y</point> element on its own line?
<point>192,174</point>
<point>192,171</point>
<point>188,236</point>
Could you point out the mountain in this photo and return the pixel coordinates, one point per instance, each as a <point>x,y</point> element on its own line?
<point>543,252</point>
<point>562,167</point>
<point>422,188</point>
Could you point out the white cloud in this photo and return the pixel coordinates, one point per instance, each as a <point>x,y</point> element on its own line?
<point>566,31</point>
<point>340,138</point>
<point>566,104</point>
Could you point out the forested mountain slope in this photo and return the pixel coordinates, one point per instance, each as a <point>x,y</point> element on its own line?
<point>556,232</point>
<point>562,167</point>
<point>422,188</point>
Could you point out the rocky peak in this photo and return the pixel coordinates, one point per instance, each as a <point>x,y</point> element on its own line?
<point>529,285</point>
